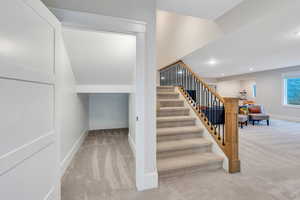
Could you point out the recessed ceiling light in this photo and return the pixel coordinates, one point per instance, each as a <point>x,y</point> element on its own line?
<point>162,78</point>
<point>251,69</point>
<point>212,62</point>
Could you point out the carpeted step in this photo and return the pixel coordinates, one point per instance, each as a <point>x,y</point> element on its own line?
<point>170,103</point>
<point>173,111</point>
<point>165,89</point>
<point>178,121</point>
<point>178,133</point>
<point>180,165</point>
<point>183,147</point>
<point>167,95</point>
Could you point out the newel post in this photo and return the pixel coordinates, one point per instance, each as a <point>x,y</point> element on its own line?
<point>232,134</point>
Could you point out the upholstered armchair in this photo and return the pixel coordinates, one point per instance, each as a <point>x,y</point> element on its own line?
<point>257,114</point>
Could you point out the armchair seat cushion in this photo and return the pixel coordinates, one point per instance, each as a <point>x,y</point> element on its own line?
<point>259,116</point>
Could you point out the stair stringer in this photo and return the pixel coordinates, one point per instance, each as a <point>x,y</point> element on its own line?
<point>215,147</point>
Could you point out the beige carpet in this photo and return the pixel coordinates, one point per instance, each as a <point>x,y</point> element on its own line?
<point>103,169</point>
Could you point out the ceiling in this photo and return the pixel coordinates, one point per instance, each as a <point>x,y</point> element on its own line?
<point>269,43</point>
<point>101,58</point>
<point>208,9</point>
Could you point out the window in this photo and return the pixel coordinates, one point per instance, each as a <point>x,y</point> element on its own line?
<point>254,90</point>
<point>292,90</point>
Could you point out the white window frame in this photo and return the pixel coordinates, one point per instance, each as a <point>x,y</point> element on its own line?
<point>286,76</point>
<point>254,92</point>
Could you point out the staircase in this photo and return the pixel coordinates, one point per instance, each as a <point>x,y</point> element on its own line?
<point>181,148</point>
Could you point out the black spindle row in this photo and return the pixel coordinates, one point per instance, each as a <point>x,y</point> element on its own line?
<point>208,105</point>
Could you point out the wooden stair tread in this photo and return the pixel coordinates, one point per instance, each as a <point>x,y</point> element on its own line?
<point>183,144</point>
<point>188,161</point>
<point>178,130</point>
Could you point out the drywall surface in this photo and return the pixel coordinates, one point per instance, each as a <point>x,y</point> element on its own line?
<point>108,111</point>
<point>72,108</point>
<point>247,85</point>
<point>179,35</point>
<point>248,12</point>
<point>101,58</point>
<point>229,88</point>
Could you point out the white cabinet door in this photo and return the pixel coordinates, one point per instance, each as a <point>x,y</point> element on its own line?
<point>28,158</point>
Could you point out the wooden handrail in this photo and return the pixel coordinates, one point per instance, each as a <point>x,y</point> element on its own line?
<point>173,63</point>
<point>229,143</point>
<point>200,80</point>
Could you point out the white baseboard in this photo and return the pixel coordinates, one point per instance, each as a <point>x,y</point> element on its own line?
<point>287,118</point>
<point>150,181</point>
<point>97,127</point>
<point>131,144</point>
<point>68,158</point>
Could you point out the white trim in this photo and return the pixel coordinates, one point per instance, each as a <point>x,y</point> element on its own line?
<point>25,74</point>
<point>291,106</point>
<point>284,92</point>
<point>287,118</point>
<point>104,88</point>
<point>293,74</point>
<point>131,144</point>
<point>150,181</point>
<point>91,21</point>
<point>70,155</point>
<point>50,195</point>
<point>17,156</point>
<point>41,10</point>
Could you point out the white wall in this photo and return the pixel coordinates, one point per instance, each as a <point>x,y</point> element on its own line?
<point>179,35</point>
<point>131,120</point>
<point>229,88</point>
<point>248,86</point>
<point>101,58</point>
<point>72,110</point>
<point>269,86</point>
<point>232,88</point>
<point>108,111</point>
<point>248,12</point>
